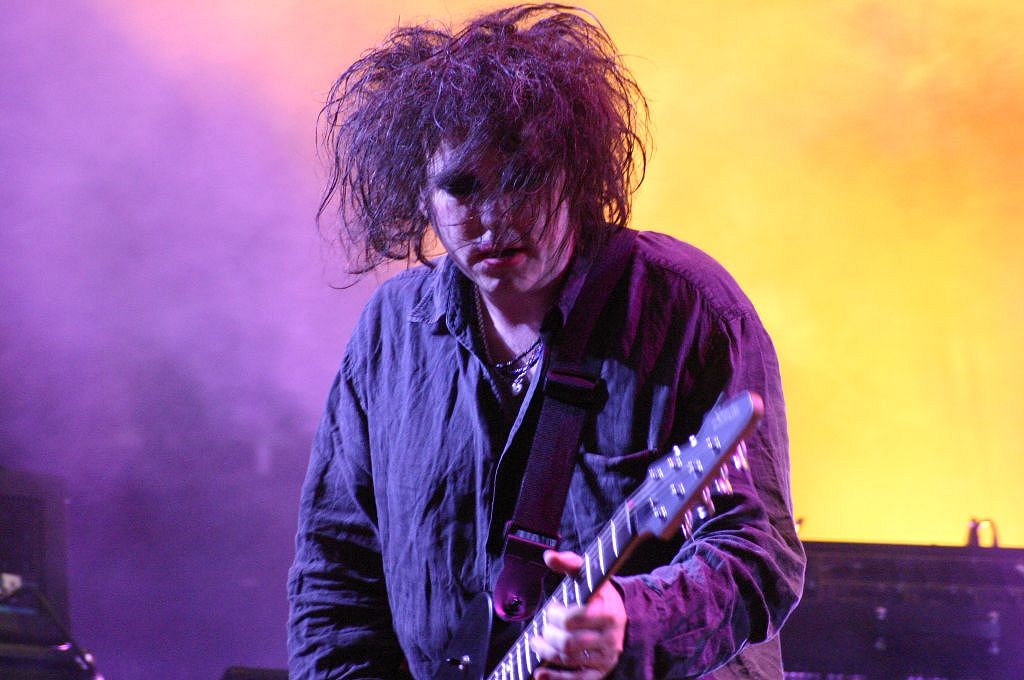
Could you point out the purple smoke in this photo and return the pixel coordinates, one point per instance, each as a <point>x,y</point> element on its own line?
<point>166,339</point>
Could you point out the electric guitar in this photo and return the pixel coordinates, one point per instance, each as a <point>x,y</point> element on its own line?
<point>677,489</point>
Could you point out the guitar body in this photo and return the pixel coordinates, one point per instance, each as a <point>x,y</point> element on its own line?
<point>465,657</point>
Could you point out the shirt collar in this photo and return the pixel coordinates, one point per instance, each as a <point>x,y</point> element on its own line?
<point>441,305</point>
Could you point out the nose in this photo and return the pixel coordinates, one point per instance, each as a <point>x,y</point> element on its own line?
<point>492,211</point>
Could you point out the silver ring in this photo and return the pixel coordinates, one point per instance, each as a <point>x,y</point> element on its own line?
<point>586,655</point>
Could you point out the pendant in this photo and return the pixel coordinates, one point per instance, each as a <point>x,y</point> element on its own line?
<point>517,383</point>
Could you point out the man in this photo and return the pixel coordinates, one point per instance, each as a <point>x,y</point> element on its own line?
<point>514,142</point>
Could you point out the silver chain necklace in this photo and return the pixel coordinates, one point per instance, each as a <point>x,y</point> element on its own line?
<point>515,370</point>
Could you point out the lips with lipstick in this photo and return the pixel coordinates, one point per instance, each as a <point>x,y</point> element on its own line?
<point>496,258</point>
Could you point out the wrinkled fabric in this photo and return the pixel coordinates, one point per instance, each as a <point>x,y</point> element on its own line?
<point>416,464</point>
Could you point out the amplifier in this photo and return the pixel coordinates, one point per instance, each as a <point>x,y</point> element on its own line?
<point>33,547</point>
<point>874,611</point>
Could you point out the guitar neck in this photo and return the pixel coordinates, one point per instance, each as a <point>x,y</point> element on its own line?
<point>678,486</point>
<point>601,560</point>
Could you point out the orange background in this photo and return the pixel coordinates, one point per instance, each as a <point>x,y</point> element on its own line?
<point>858,166</point>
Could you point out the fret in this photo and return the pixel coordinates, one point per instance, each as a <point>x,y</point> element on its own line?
<point>519,660</point>
<point>576,589</point>
<point>615,539</point>
<point>565,595</point>
<point>590,579</point>
<point>529,657</point>
<point>600,554</point>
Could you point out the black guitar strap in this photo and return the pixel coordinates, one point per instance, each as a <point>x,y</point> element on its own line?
<point>571,391</point>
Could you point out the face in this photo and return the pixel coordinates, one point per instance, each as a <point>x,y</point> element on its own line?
<point>510,258</point>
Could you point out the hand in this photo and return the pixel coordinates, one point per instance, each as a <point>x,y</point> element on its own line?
<point>584,643</point>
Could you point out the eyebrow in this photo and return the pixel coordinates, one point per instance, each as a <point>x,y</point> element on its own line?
<point>449,174</point>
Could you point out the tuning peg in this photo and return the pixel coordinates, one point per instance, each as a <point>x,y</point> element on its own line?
<point>705,496</point>
<point>739,459</point>
<point>687,526</point>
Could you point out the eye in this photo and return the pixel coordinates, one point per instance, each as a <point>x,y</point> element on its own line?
<point>460,184</point>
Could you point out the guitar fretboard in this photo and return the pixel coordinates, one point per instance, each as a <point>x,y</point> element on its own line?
<point>601,560</point>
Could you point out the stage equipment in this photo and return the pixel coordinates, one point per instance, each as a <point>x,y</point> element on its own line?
<point>884,612</point>
<point>35,643</point>
<point>33,550</point>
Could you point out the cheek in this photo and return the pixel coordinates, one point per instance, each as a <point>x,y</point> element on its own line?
<point>447,216</point>
<point>445,210</point>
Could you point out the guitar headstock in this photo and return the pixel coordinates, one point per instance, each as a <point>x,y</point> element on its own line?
<point>679,484</point>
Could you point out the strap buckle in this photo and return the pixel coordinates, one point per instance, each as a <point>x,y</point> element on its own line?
<point>517,593</point>
<point>576,388</point>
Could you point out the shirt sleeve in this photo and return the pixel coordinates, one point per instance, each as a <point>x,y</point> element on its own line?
<point>340,624</point>
<point>735,582</point>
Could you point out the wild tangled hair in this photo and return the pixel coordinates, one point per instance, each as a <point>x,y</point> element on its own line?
<point>540,86</point>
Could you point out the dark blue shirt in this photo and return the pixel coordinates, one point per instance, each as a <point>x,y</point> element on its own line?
<point>416,466</point>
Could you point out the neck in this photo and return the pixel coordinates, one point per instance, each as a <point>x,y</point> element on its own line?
<point>512,328</point>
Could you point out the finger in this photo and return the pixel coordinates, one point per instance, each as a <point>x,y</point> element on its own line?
<point>556,615</point>
<point>568,563</point>
<point>547,652</point>
<point>557,629</point>
<point>592,666</point>
<point>545,673</point>
<point>577,649</point>
<point>581,645</point>
<point>586,618</point>
<point>556,638</point>
<point>543,648</point>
